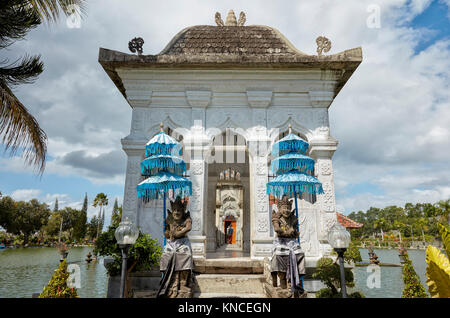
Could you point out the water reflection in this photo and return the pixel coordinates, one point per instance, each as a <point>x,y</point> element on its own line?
<point>391,277</point>
<point>26,271</point>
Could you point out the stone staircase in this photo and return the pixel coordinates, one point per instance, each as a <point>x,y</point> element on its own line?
<point>238,277</point>
<point>229,286</point>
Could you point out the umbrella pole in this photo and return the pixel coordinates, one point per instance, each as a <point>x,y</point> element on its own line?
<point>298,229</point>
<point>164,218</point>
<point>296,215</point>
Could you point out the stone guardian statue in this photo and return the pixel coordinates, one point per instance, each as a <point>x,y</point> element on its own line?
<point>288,259</point>
<point>176,262</point>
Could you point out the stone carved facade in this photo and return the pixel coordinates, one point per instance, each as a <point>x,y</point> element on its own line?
<point>202,103</point>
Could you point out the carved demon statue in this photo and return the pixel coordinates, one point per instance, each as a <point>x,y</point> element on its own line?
<point>176,261</point>
<point>288,260</point>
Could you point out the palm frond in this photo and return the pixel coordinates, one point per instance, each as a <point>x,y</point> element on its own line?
<point>50,10</point>
<point>21,130</point>
<point>15,21</point>
<point>24,72</point>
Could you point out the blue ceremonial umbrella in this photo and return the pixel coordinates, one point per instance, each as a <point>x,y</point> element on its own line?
<point>289,143</point>
<point>164,169</point>
<point>162,144</point>
<point>292,166</point>
<point>290,161</point>
<point>167,162</point>
<point>158,185</point>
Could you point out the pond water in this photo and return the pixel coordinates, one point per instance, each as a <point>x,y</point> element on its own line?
<point>391,278</point>
<point>24,271</point>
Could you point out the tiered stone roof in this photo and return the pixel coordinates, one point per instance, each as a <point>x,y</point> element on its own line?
<point>230,47</point>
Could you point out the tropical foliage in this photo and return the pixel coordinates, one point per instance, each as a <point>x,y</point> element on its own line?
<point>438,268</point>
<point>329,273</point>
<point>143,255</point>
<point>57,286</point>
<point>20,131</point>
<point>34,223</point>
<point>412,286</point>
<point>100,200</point>
<point>419,221</point>
<point>21,217</point>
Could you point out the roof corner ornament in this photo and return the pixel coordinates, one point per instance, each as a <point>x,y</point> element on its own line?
<point>323,45</point>
<point>219,20</point>
<point>231,19</point>
<point>135,45</point>
<point>242,19</point>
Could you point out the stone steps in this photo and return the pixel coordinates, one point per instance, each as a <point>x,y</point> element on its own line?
<point>227,295</point>
<point>228,266</point>
<point>238,285</point>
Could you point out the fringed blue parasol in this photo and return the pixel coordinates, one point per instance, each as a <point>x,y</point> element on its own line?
<point>289,143</point>
<point>293,182</point>
<point>162,144</point>
<point>163,168</point>
<point>292,165</point>
<point>162,162</point>
<point>290,161</point>
<point>156,186</point>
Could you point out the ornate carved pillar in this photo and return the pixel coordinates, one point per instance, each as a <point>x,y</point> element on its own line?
<point>196,144</point>
<point>322,151</point>
<point>135,152</point>
<point>261,241</point>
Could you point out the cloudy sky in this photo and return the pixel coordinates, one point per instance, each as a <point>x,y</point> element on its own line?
<point>392,118</point>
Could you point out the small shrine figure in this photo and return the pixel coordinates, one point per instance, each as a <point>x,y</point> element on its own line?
<point>288,259</point>
<point>176,262</point>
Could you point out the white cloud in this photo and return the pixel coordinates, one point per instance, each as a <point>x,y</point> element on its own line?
<point>25,194</point>
<point>396,138</point>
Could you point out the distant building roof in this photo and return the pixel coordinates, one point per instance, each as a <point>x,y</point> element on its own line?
<point>347,222</point>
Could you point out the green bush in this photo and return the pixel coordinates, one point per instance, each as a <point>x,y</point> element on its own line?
<point>57,286</point>
<point>143,255</point>
<point>352,253</point>
<point>329,273</point>
<point>412,286</point>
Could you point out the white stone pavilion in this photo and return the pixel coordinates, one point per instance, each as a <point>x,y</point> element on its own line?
<point>228,92</point>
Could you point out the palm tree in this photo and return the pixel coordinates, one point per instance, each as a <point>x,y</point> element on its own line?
<point>381,223</point>
<point>100,200</point>
<point>20,130</point>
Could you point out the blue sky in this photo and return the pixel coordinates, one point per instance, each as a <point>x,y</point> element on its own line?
<point>393,149</point>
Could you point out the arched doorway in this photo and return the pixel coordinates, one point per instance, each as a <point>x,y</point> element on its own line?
<point>228,189</point>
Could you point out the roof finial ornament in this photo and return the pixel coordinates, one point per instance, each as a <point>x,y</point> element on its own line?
<point>161,126</point>
<point>231,19</point>
<point>242,18</point>
<point>219,20</point>
<point>323,44</point>
<point>135,45</point>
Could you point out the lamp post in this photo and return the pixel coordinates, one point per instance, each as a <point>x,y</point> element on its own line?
<point>126,235</point>
<point>339,239</point>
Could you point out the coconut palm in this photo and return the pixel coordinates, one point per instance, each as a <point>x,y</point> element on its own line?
<point>20,131</point>
<point>100,200</point>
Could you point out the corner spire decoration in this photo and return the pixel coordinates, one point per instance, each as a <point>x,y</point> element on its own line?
<point>231,19</point>
<point>135,45</point>
<point>323,45</point>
